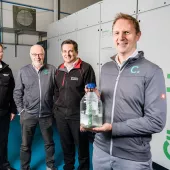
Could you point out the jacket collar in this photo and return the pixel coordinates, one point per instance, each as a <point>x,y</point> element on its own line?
<point>76,66</point>
<point>3,65</point>
<point>139,55</point>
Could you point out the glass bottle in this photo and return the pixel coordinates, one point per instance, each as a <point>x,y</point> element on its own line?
<point>91,110</point>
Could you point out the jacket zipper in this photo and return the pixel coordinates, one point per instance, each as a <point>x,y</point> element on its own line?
<point>66,97</point>
<point>40,92</point>
<point>64,79</point>
<point>114,97</point>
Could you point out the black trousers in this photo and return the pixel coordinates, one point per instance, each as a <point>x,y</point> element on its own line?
<point>70,135</point>
<point>28,127</point>
<point>4,130</point>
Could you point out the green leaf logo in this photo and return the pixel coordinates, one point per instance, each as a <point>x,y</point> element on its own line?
<point>166,145</point>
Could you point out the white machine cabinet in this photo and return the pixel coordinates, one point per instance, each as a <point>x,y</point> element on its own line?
<point>109,8</point>
<point>89,16</point>
<point>145,5</point>
<point>88,41</point>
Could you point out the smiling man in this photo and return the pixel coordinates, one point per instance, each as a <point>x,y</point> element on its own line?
<point>33,96</point>
<point>71,78</point>
<point>134,109</point>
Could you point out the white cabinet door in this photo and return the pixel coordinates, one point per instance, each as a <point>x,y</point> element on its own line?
<point>88,16</point>
<point>68,24</point>
<point>145,5</point>
<point>53,51</point>
<point>53,29</point>
<point>88,41</point>
<point>109,8</point>
<point>107,49</point>
<point>155,43</point>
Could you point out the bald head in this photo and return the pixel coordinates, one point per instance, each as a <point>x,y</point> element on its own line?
<point>36,47</point>
<point>37,55</point>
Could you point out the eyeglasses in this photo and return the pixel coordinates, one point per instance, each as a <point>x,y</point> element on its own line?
<point>35,55</point>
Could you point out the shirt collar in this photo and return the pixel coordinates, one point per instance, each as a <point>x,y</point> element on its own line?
<point>0,65</point>
<point>131,56</point>
<point>71,66</point>
<point>36,68</point>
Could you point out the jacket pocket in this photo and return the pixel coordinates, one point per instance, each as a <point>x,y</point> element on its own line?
<point>22,116</point>
<point>4,80</point>
<point>135,144</point>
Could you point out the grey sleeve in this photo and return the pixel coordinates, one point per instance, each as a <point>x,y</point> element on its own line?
<point>19,92</point>
<point>155,110</point>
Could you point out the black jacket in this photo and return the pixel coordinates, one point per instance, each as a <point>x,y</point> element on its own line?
<point>70,89</point>
<point>7,84</point>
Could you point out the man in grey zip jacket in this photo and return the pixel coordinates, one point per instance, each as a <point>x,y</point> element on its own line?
<point>33,95</point>
<point>134,99</point>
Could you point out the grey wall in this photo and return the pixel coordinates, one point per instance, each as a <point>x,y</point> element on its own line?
<point>72,6</point>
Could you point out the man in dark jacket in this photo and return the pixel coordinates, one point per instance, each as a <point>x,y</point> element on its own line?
<point>7,109</point>
<point>134,98</point>
<point>33,95</point>
<point>71,78</point>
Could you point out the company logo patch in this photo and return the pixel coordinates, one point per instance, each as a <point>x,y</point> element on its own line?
<point>45,71</point>
<point>74,78</point>
<point>163,96</point>
<point>135,69</point>
<point>6,74</point>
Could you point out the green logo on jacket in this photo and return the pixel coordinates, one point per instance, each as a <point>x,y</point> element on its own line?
<point>135,69</point>
<point>45,71</point>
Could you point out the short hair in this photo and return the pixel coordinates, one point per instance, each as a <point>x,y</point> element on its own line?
<point>38,45</point>
<point>69,41</point>
<point>129,18</point>
<point>1,46</point>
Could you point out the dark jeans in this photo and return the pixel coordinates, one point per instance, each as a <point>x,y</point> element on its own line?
<point>70,135</point>
<point>4,130</point>
<point>28,127</point>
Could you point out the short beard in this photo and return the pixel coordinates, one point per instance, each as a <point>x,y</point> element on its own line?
<point>38,65</point>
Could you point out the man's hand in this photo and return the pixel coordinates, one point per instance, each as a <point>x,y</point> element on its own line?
<point>104,128</point>
<point>12,116</point>
<point>82,129</point>
<point>94,90</point>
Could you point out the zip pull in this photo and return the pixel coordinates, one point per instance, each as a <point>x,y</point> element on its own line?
<point>64,79</point>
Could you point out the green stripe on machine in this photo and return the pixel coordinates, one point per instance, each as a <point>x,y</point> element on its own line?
<point>168,76</point>
<point>168,88</point>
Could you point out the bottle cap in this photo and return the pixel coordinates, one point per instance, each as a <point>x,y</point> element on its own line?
<point>90,86</point>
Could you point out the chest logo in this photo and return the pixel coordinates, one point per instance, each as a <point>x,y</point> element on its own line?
<point>6,74</point>
<point>135,69</point>
<point>45,71</point>
<point>74,78</point>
